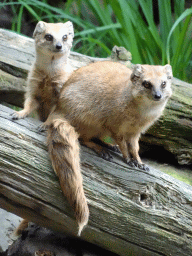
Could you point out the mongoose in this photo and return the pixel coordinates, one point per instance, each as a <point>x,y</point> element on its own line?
<point>103,98</point>
<point>48,74</point>
<point>50,70</point>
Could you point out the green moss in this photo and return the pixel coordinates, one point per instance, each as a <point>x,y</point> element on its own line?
<point>178,172</point>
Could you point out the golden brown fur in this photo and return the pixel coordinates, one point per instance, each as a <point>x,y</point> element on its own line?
<point>63,148</point>
<point>22,226</point>
<point>48,73</point>
<point>107,98</point>
<point>50,69</point>
<point>104,98</point>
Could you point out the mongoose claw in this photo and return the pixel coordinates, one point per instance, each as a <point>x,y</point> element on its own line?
<point>42,127</point>
<point>14,116</point>
<point>106,155</point>
<point>18,115</point>
<point>135,163</point>
<point>144,167</point>
<point>131,163</point>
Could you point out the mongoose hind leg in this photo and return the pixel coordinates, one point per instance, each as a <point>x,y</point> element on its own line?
<point>97,148</point>
<point>45,125</point>
<point>101,142</point>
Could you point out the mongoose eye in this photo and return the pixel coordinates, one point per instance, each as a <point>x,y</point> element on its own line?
<point>163,84</point>
<point>49,37</point>
<point>64,37</point>
<point>146,84</point>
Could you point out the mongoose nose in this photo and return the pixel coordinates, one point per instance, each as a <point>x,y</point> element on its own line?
<point>157,96</point>
<point>58,46</point>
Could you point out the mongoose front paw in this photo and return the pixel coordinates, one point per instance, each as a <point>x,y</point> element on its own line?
<point>106,155</point>
<point>15,116</point>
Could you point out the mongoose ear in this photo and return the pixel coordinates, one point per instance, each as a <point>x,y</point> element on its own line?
<point>40,27</point>
<point>137,71</point>
<point>168,71</point>
<point>69,25</point>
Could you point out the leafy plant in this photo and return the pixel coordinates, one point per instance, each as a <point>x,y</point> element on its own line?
<point>102,24</point>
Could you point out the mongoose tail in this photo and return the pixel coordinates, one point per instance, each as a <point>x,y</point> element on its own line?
<point>63,148</point>
<point>22,226</point>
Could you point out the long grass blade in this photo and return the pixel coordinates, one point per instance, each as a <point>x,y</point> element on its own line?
<point>180,49</point>
<point>146,8</point>
<point>183,16</point>
<point>19,19</point>
<point>98,29</point>
<point>31,10</point>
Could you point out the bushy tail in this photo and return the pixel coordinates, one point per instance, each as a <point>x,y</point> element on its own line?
<point>63,148</point>
<point>22,226</point>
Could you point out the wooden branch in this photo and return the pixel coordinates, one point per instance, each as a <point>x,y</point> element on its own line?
<point>131,211</point>
<point>172,132</point>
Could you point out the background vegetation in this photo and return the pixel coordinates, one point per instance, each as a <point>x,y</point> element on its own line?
<point>155,32</point>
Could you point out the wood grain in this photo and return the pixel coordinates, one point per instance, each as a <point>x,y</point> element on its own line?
<point>132,212</point>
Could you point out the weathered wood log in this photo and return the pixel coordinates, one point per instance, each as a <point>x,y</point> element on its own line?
<point>132,212</point>
<point>40,241</point>
<point>172,132</point>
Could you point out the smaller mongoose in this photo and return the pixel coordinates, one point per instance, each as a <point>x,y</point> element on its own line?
<point>48,74</point>
<point>50,70</point>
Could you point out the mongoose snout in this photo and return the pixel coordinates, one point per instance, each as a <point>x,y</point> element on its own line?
<point>58,46</point>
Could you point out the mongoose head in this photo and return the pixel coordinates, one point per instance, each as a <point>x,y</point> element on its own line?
<point>152,82</point>
<point>53,38</point>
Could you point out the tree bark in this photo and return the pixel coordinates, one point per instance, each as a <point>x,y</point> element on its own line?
<point>132,212</point>
<point>173,131</point>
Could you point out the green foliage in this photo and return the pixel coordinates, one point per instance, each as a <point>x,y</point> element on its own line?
<point>100,25</point>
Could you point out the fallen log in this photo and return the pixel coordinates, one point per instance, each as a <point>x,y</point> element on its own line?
<point>132,212</point>
<point>40,241</point>
<point>173,131</point>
